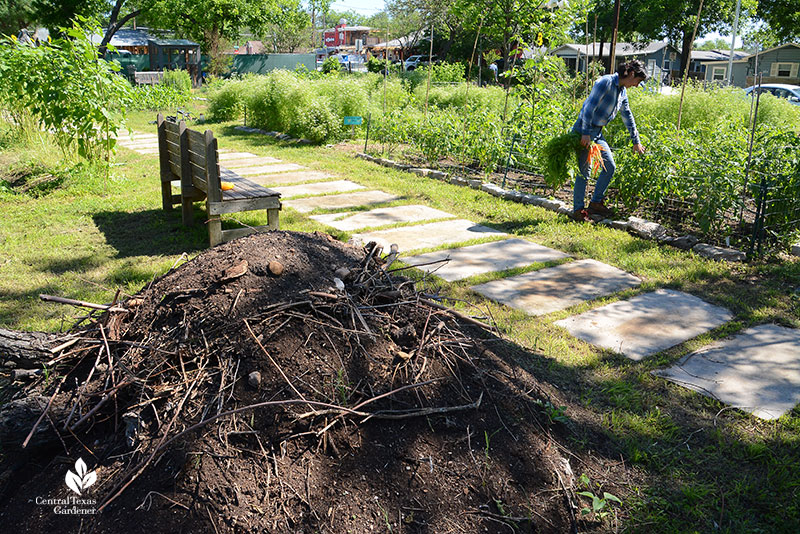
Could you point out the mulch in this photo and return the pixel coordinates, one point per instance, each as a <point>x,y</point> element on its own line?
<point>287,382</point>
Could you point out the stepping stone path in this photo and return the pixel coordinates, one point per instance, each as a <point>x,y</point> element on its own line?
<point>430,235</point>
<point>350,200</point>
<point>268,180</point>
<point>556,288</point>
<point>480,259</point>
<point>336,186</point>
<point>647,323</point>
<point>380,217</point>
<point>757,371</point>
<point>268,169</point>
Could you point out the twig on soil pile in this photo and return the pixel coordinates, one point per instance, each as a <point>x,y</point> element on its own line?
<point>83,304</point>
<point>278,367</point>
<point>141,467</point>
<point>459,315</point>
<point>97,406</point>
<point>44,412</point>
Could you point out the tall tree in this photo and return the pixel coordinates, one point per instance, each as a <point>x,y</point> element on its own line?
<point>213,23</point>
<point>291,32</point>
<point>675,19</point>
<point>783,18</point>
<point>54,14</point>
<point>15,15</point>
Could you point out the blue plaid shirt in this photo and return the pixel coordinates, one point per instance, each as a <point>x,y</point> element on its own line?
<point>605,100</point>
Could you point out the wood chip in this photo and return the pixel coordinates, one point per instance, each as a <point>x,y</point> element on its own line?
<point>234,272</point>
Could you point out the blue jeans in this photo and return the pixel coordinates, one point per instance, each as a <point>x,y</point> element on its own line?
<point>603,177</point>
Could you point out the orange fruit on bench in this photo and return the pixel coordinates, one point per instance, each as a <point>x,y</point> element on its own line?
<point>226,186</point>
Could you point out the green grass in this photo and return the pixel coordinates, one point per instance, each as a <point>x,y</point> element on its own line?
<point>699,467</point>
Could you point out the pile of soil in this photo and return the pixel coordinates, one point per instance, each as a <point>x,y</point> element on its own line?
<point>286,382</point>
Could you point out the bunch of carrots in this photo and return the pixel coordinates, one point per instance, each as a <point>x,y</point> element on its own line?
<point>595,158</point>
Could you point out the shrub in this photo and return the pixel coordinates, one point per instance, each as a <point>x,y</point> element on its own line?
<point>317,122</point>
<point>66,87</point>
<point>331,65</point>
<point>179,79</point>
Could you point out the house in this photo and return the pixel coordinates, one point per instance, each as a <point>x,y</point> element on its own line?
<point>659,56</point>
<point>344,37</point>
<point>777,65</point>
<point>700,60</point>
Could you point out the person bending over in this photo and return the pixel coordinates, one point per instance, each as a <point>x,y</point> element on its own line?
<point>608,97</point>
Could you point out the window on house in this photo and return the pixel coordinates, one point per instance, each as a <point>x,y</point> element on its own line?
<point>718,73</point>
<point>783,70</point>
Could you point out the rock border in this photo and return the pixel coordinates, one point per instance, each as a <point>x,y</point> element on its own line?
<point>636,226</point>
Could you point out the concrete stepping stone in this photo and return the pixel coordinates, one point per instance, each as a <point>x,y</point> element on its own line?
<point>140,144</point>
<point>147,151</point>
<point>231,156</point>
<point>250,162</point>
<point>556,288</point>
<point>430,235</point>
<point>757,371</point>
<point>289,178</point>
<point>647,323</point>
<point>268,169</point>
<point>319,188</point>
<point>347,200</point>
<point>485,258</point>
<point>380,217</point>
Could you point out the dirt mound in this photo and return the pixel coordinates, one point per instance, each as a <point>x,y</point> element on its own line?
<point>285,382</point>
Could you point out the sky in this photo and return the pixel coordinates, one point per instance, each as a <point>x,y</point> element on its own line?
<point>370,7</point>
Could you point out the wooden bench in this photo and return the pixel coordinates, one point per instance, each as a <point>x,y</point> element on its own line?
<point>192,157</point>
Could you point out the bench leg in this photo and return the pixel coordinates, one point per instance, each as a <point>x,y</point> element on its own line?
<point>187,209</point>
<point>272,219</point>
<point>214,231</point>
<point>166,195</point>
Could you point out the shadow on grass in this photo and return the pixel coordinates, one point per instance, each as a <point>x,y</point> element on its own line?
<point>151,232</point>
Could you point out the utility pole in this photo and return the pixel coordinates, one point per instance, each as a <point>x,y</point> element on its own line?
<point>613,54</point>
<point>733,40</point>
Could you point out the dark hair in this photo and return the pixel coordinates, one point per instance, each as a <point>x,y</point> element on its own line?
<point>634,67</point>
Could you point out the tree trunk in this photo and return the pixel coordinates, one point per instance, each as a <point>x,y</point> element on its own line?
<point>686,50</point>
<point>26,350</point>
<point>600,56</point>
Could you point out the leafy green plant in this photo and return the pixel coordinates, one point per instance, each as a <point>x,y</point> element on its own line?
<point>67,88</point>
<point>331,65</point>
<point>156,98</point>
<point>179,79</point>
<point>555,157</point>
<point>601,506</point>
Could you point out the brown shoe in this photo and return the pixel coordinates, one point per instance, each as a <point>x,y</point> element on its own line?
<point>598,208</point>
<point>580,216</point>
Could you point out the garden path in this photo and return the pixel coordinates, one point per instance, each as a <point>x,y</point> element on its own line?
<point>757,370</point>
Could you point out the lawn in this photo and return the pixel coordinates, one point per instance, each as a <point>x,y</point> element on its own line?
<point>80,233</point>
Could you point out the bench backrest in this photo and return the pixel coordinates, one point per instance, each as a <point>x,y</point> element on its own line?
<point>189,156</point>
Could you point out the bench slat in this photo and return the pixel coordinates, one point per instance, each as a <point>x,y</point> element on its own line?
<point>245,204</point>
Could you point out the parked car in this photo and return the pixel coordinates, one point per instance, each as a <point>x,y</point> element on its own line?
<point>781,90</point>
<point>415,61</point>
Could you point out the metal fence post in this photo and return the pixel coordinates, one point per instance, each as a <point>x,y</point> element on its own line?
<point>508,159</point>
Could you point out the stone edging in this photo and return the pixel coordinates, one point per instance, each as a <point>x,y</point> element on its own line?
<point>639,227</point>
<point>277,135</point>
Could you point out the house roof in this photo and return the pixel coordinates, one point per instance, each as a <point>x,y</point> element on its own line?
<point>400,42</point>
<point>125,37</point>
<point>622,49</point>
<point>746,57</point>
<point>717,55</point>
<point>249,47</point>
<point>350,29</point>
